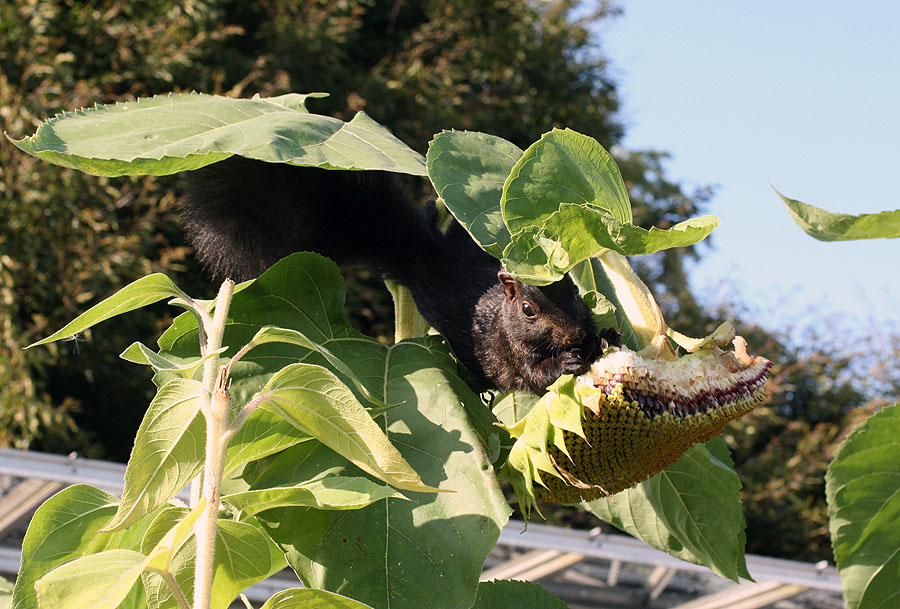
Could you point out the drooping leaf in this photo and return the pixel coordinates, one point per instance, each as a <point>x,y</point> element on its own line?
<point>691,510</point>
<point>468,171</point>
<point>826,225</point>
<point>501,594</point>
<point>862,487</point>
<point>167,454</point>
<point>162,135</point>
<point>426,552</point>
<point>97,581</point>
<point>145,291</point>
<point>304,598</point>
<point>65,527</point>
<point>316,402</point>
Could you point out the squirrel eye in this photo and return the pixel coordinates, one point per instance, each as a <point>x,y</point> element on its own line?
<point>527,309</point>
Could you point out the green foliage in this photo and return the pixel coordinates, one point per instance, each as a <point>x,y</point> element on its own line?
<point>863,486</point>
<point>831,226</point>
<point>499,593</point>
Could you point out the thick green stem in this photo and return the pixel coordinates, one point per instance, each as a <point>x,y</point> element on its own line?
<point>215,403</point>
<point>407,321</point>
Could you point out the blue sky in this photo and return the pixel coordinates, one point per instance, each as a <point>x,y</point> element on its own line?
<point>805,94</point>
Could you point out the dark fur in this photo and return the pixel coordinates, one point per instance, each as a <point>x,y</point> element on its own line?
<point>242,216</point>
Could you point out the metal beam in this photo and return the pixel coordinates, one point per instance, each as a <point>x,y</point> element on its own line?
<point>746,595</point>
<point>18,503</point>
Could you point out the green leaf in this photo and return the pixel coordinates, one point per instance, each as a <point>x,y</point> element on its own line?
<point>262,434</point>
<point>166,134</point>
<point>138,353</point>
<point>304,598</point>
<point>271,334</point>
<point>831,226</point>
<point>565,201</point>
<point>167,454</point>
<point>65,527</point>
<point>427,552</point>
<point>501,594</point>
<point>98,581</point>
<point>303,292</point>
<point>326,493</point>
<point>862,487</point>
<point>468,171</point>
<point>563,167</point>
<point>159,557</point>
<point>691,510</point>
<point>135,295</point>
<point>243,557</point>
<point>316,402</point>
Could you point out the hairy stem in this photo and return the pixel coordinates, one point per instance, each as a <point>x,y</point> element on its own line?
<point>215,403</point>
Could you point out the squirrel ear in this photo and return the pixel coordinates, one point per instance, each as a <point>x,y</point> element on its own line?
<point>510,285</point>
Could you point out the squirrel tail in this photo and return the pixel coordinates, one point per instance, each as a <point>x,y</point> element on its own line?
<point>242,216</point>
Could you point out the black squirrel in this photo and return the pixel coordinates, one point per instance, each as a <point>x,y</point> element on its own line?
<point>242,216</point>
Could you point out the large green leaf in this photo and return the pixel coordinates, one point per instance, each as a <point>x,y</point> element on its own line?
<point>826,225</point>
<point>316,402</point>
<point>140,293</point>
<point>564,201</point>
<point>65,527</point>
<point>427,552</point>
<point>167,134</point>
<point>468,171</point>
<point>507,594</point>
<point>167,454</point>
<point>691,510</point>
<point>304,598</point>
<point>862,487</point>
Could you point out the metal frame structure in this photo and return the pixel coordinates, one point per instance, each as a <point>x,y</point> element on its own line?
<point>586,568</point>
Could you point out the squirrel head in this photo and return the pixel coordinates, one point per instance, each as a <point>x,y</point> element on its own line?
<point>547,317</point>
